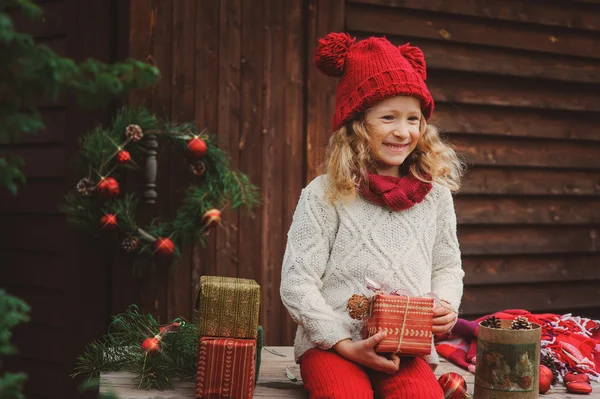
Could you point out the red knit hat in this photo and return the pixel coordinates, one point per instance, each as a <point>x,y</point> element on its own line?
<point>370,71</point>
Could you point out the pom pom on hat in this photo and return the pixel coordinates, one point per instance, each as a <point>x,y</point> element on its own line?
<point>331,52</point>
<point>415,56</point>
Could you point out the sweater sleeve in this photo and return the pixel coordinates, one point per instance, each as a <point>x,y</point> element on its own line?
<point>447,273</point>
<point>311,235</point>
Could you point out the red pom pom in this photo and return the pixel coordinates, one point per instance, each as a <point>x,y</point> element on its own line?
<point>331,52</point>
<point>453,385</point>
<point>415,56</point>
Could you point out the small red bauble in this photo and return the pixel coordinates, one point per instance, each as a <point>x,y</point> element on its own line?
<point>212,217</point>
<point>151,345</point>
<point>545,379</point>
<point>453,385</point>
<point>579,387</point>
<point>173,327</point>
<point>108,187</point>
<point>196,148</point>
<point>164,247</point>
<point>576,377</point>
<point>123,157</point>
<point>109,222</point>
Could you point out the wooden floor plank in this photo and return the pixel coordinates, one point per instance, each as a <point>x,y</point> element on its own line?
<point>273,383</point>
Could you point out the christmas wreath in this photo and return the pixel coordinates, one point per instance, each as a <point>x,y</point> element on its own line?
<point>98,206</point>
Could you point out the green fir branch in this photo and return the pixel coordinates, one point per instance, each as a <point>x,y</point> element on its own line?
<point>120,349</point>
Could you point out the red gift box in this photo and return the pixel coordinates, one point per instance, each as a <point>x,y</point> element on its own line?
<point>407,320</point>
<point>226,368</point>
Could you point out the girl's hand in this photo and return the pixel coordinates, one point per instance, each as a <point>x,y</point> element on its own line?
<point>363,353</point>
<point>443,319</point>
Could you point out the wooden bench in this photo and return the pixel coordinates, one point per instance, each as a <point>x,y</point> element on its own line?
<point>274,383</point>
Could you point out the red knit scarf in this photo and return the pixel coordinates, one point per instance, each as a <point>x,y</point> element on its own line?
<point>395,193</point>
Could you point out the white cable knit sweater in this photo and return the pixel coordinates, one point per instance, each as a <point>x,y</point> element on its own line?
<point>331,248</point>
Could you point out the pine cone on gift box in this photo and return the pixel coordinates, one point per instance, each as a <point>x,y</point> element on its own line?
<point>520,323</point>
<point>358,306</point>
<point>491,322</point>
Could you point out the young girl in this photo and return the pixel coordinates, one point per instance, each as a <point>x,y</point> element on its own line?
<point>384,211</point>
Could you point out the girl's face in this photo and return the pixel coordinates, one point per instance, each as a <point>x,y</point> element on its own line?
<point>394,127</point>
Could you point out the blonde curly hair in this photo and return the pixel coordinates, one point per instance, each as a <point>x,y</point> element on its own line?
<point>349,159</point>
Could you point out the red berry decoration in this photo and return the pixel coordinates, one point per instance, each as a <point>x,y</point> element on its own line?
<point>109,222</point>
<point>212,217</point>
<point>123,157</point>
<point>196,148</point>
<point>108,187</point>
<point>164,247</point>
<point>545,379</point>
<point>453,385</point>
<point>151,345</point>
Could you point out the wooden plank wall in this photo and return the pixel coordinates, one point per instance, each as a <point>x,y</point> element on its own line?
<point>516,86</point>
<point>236,67</point>
<point>44,261</point>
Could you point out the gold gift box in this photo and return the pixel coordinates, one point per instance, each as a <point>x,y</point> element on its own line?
<point>228,307</point>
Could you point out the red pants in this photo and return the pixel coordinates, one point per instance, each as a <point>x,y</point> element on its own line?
<point>327,375</point>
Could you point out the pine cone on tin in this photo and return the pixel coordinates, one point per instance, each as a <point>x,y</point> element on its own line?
<point>520,323</point>
<point>491,322</point>
<point>358,306</point>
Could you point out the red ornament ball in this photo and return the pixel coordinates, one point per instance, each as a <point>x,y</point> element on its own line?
<point>212,217</point>
<point>164,247</point>
<point>196,148</point>
<point>579,387</point>
<point>453,385</point>
<point>109,222</point>
<point>576,377</point>
<point>545,379</point>
<point>108,187</point>
<point>123,157</point>
<point>151,345</point>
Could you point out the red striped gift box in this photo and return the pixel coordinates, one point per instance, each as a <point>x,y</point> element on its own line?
<point>226,368</point>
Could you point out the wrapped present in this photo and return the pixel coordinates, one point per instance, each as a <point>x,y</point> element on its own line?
<point>228,307</point>
<point>407,320</point>
<point>226,368</point>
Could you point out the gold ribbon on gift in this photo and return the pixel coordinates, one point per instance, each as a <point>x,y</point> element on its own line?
<point>403,324</point>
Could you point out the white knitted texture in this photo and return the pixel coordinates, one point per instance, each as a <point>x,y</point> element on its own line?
<point>332,248</point>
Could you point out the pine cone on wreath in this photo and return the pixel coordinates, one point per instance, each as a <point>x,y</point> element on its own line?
<point>198,168</point>
<point>548,361</point>
<point>358,306</point>
<point>130,244</point>
<point>520,323</point>
<point>85,187</point>
<point>491,322</point>
<point>134,133</point>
